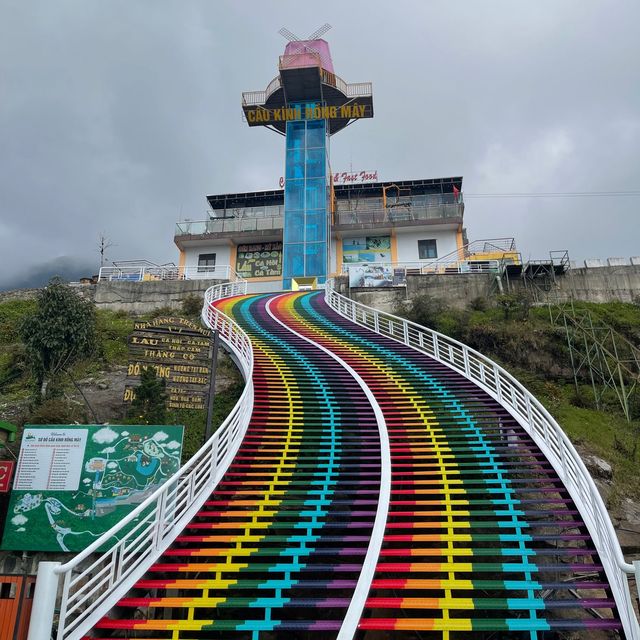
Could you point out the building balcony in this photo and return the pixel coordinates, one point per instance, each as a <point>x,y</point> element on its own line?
<point>401,215</point>
<point>251,228</point>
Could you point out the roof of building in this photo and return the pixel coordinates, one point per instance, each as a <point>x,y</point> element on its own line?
<point>342,192</point>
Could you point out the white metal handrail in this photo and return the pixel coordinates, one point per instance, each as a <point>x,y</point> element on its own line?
<point>476,249</point>
<point>246,221</point>
<point>532,416</point>
<point>150,274</point>
<point>93,581</point>
<point>373,212</point>
<point>433,267</point>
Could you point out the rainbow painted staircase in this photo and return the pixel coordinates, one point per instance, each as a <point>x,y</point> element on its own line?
<point>380,493</point>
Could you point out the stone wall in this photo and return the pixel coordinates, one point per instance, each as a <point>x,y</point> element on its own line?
<point>143,297</point>
<point>456,290</point>
<point>18,294</point>
<point>601,284</point>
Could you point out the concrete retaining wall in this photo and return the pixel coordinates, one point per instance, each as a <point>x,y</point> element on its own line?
<point>598,284</point>
<point>143,297</point>
<point>601,284</point>
<point>456,290</point>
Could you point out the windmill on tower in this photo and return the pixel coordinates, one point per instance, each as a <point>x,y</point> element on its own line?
<point>311,45</point>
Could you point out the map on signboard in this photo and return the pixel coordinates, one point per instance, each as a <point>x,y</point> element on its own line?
<point>74,482</point>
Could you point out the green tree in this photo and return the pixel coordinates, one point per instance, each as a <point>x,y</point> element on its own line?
<point>61,331</point>
<point>150,404</point>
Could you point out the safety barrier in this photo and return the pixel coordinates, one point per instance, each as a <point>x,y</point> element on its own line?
<point>136,273</point>
<point>92,584</point>
<point>533,417</point>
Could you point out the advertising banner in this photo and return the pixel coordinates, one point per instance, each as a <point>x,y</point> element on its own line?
<point>371,275</point>
<point>354,109</point>
<point>74,482</point>
<point>259,260</point>
<point>366,249</point>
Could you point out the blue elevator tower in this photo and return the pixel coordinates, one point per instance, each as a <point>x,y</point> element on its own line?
<point>307,103</point>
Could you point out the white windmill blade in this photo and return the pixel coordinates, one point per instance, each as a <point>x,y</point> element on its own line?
<point>318,33</point>
<point>319,53</point>
<point>291,37</point>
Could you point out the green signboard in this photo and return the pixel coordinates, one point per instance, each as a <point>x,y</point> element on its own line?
<point>74,482</point>
<point>259,260</point>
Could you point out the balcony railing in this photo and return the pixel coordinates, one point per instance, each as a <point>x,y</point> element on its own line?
<point>392,215</point>
<point>147,274</point>
<point>228,225</point>
<point>402,269</point>
<point>353,90</point>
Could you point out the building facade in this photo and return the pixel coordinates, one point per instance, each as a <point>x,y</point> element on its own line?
<point>373,230</point>
<point>313,228</point>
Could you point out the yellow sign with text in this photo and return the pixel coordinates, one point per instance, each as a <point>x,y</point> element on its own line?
<point>261,115</point>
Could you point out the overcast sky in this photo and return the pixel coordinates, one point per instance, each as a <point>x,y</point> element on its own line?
<point>119,116</point>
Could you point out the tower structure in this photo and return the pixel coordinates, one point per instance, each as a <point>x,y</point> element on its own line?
<point>307,103</point>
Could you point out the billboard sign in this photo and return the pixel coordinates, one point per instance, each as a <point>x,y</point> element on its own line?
<point>259,260</point>
<point>178,350</point>
<point>355,177</point>
<point>371,275</point>
<point>74,482</point>
<point>354,109</point>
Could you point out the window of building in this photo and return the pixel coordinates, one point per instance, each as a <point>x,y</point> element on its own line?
<point>427,249</point>
<point>206,262</point>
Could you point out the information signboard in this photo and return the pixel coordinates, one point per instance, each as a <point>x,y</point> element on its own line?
<point>178,350</point>
<point>259,260</point>
<point>74,482</point>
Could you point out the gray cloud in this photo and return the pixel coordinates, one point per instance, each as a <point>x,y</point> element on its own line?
<point>67,267</point>
<point>122,116</point>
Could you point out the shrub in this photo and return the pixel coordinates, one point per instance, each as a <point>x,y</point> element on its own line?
<point>149,405</point>
<point>57,411</point>
<point>61,331</point>
<point>478,304</point>
<point>192,306</point>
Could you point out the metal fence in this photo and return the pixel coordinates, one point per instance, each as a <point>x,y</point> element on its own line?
<point>432,267</point>
<point>371,214</point>
<point>229,225</point>
<point>146,273</point>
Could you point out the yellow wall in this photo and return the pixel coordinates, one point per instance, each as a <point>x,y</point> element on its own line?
<point>181,260</point>
<point>338,270</point>
<point>233,256</point>
<point>394,247</point>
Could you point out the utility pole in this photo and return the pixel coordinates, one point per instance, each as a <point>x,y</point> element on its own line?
<point>215,342</point>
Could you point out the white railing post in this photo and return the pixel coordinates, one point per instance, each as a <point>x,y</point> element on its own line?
<point>44,601</point>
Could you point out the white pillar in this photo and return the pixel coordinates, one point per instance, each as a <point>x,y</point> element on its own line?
<point>44,602</point>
